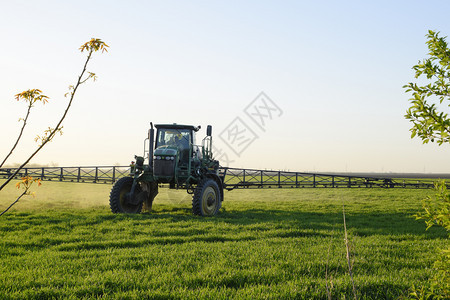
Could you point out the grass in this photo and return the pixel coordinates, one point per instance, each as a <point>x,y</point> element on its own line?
<point>276,243</point>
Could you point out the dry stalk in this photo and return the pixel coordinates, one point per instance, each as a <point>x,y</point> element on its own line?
<point>329,288</point>
<point>348,255</point>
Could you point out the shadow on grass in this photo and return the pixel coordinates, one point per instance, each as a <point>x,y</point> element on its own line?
<point>361,224</point>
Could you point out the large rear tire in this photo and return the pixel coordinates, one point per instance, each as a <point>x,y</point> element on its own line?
<point>118,200</point>
<point>206,200</point>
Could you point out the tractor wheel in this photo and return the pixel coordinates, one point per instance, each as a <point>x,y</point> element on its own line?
<point>206,200</point>
<point>118,200</point>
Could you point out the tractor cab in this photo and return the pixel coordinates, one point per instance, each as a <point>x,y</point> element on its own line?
<point>174,148</point>
<point>180,139</point>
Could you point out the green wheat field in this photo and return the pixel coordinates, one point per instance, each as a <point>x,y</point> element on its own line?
<point>264,244</point>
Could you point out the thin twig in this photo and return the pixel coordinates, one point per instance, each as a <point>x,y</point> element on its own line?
<point>45,141</point>
<point>20,134</point>
<point>17,200</point>
<point>348,255</point>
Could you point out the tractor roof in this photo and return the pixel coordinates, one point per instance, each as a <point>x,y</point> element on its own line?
<point>177,126</point>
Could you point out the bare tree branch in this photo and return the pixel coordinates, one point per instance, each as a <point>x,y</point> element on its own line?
<point>91,46</point>
<point>20,135</point>
<point>17,200</point>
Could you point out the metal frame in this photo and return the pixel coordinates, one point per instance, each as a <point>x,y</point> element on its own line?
<point>236,178</point>
<point>104,174</point>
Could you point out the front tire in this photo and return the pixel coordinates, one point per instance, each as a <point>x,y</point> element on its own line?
<point>118,197</point>
<point>206,200</point>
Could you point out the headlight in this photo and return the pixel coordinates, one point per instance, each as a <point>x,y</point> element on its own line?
<point>172,158</point>
<point>167,157</point>
<point>158,157</point>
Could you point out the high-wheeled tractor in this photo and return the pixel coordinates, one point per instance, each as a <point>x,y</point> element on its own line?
<point>174,160</point>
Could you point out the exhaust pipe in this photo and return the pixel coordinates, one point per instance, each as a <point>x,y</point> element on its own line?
<point>151,136</point>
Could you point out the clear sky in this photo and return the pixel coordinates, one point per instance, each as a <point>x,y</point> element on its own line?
<point>333,71</point>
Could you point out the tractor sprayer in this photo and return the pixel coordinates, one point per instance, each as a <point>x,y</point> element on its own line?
<point>174,160</point>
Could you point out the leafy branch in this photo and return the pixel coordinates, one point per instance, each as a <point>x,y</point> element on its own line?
<point>430,123</point>
<point>436,212</point>
<point>428,113</point>
<point>437,207</point>
<point>31,97</point>
<point>90,47</point>
<point>26,184</point>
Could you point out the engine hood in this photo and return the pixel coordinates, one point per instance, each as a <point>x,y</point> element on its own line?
<point>165,151</point>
